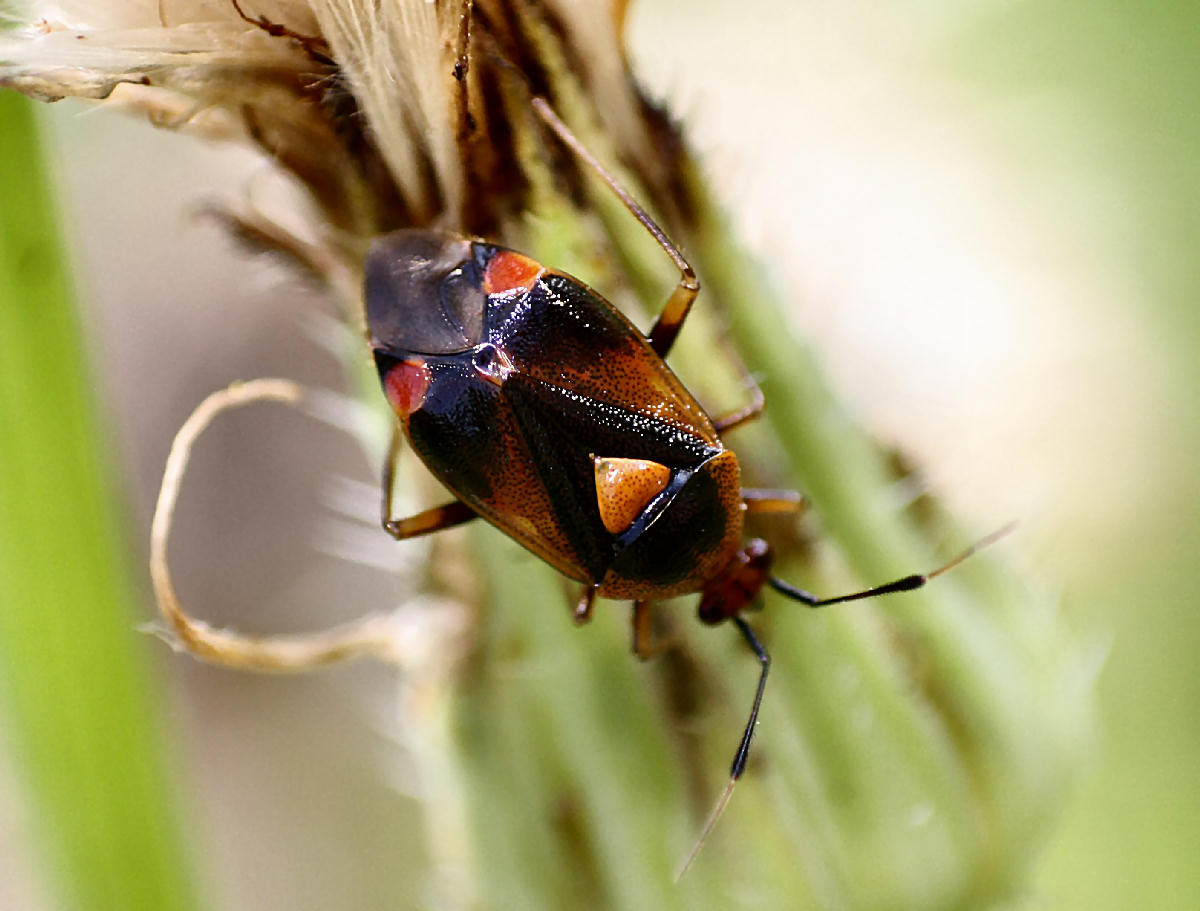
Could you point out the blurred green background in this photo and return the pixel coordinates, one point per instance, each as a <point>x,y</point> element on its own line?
<point>1020,184</point>
<point>987,212</point>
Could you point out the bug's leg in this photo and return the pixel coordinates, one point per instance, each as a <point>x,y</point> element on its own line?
<point>759,501</point>
<point>371,635</point>
<point>722,608</point>
<point>430,520</point>
<point>905,584</point>
<point>669,322</point>
<point>645,644</point>
<point>582,612</point>
<point>742,416</point>
<point>743,751</point>
<point>757,400</point>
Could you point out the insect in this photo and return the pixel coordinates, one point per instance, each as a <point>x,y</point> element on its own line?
<point>548,414</point>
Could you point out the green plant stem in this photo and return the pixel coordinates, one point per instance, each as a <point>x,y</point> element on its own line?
<point>1005,687</point>
<point>79,709</point>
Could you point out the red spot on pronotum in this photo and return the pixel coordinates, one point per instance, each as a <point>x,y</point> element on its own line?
<point>406,384</point>
<point>507,272</point>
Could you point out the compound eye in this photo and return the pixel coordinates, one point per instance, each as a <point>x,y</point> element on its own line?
<point>413,304</point>
<point>462,301</point>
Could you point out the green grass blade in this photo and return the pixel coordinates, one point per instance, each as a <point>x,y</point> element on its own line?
<point>75,691</point>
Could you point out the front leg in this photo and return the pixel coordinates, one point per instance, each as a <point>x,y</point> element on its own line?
<point>423,523</point>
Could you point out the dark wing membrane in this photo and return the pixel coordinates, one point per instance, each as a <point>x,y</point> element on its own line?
<point>689,543</point>
<point>468,436</point>
<point>562,460</point>
<point>521,455</point>
<point>563,431</point>
<point>567,336</point>
<point>595,427</point>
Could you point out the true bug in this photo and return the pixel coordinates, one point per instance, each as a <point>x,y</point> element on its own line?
<point>547,413</point>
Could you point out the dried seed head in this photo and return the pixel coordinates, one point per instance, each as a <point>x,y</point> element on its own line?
<point>392,113</point>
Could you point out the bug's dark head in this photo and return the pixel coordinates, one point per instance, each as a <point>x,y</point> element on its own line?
<point>423,293</point>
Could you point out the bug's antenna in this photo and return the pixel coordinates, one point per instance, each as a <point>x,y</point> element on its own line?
<point>905,584</point>
<point>709,825</point>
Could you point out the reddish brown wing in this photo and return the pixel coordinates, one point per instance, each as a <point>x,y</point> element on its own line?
<point>564,334</point>
<point>469,436</point>
<point>579,382</point>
